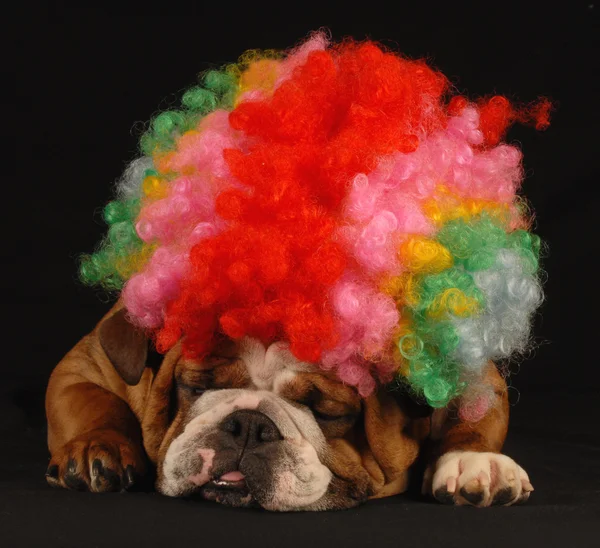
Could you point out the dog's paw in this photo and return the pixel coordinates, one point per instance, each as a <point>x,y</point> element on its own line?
<point>98,461</point>
<point>477,479</point>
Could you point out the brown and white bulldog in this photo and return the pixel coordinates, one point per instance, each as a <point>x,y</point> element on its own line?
<point>253,426</point>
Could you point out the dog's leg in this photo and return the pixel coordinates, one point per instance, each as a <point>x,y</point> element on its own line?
<point>94,436</point>
<point>466,466</point>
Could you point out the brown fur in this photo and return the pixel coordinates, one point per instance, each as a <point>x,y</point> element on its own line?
<point>95,418</point>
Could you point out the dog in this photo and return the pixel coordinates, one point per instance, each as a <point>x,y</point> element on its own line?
<point>250,425</point>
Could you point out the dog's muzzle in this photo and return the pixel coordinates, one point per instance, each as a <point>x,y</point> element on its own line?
<point>251,432</point>
<point>243,448</point>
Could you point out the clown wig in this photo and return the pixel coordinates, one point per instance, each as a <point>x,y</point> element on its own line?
<point>337,197</point>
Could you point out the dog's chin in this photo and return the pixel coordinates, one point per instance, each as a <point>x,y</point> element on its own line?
<point>234,494</point>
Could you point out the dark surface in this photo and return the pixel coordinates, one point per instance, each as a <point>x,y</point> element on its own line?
<point>564,509</point>
<point>83,79</point>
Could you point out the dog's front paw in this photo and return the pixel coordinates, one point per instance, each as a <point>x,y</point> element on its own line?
<point>99,461</point>
<point>477,479</point>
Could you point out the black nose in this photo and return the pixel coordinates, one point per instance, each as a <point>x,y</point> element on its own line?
<point>250,428</point>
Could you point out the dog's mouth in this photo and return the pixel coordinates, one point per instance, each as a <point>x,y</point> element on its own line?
<point>230,489</point>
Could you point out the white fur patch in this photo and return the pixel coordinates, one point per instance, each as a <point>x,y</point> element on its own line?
<point>304,483</point>
<point>485,474</point>
<point>268,367</point>
<point>204,475</point>
<point>300,478</point>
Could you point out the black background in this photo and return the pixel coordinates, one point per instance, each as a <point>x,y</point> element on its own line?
<point>88,79</point>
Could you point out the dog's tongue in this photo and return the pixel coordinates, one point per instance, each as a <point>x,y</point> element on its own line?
<point>232,476</point>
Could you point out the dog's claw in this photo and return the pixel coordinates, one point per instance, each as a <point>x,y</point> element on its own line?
<point>129,477</point>
<point>71,467</point>
<point>52,472</point>
<point>97,468</point>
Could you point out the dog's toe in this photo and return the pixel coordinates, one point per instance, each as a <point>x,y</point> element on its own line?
<point>503,496</point>
<point>128,477</point>
<point>74,477</point>
<point>444,496</point>
<point>104,478</point>
<point>473,492</point>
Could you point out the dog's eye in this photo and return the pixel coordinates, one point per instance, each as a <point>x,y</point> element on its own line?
<point>327,418</point>
<point>193,391</point>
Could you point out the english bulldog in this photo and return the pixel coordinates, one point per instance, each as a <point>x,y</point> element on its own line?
<point>250,425</point>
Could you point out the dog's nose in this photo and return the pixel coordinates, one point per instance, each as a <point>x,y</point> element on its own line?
<point>250,428</point>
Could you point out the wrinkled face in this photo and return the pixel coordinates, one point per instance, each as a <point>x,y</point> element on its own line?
<point>252,426</point>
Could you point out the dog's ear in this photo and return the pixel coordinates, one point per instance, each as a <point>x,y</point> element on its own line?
<point>392,440</point>
<point>161,405</point>
<point>125,346</point>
